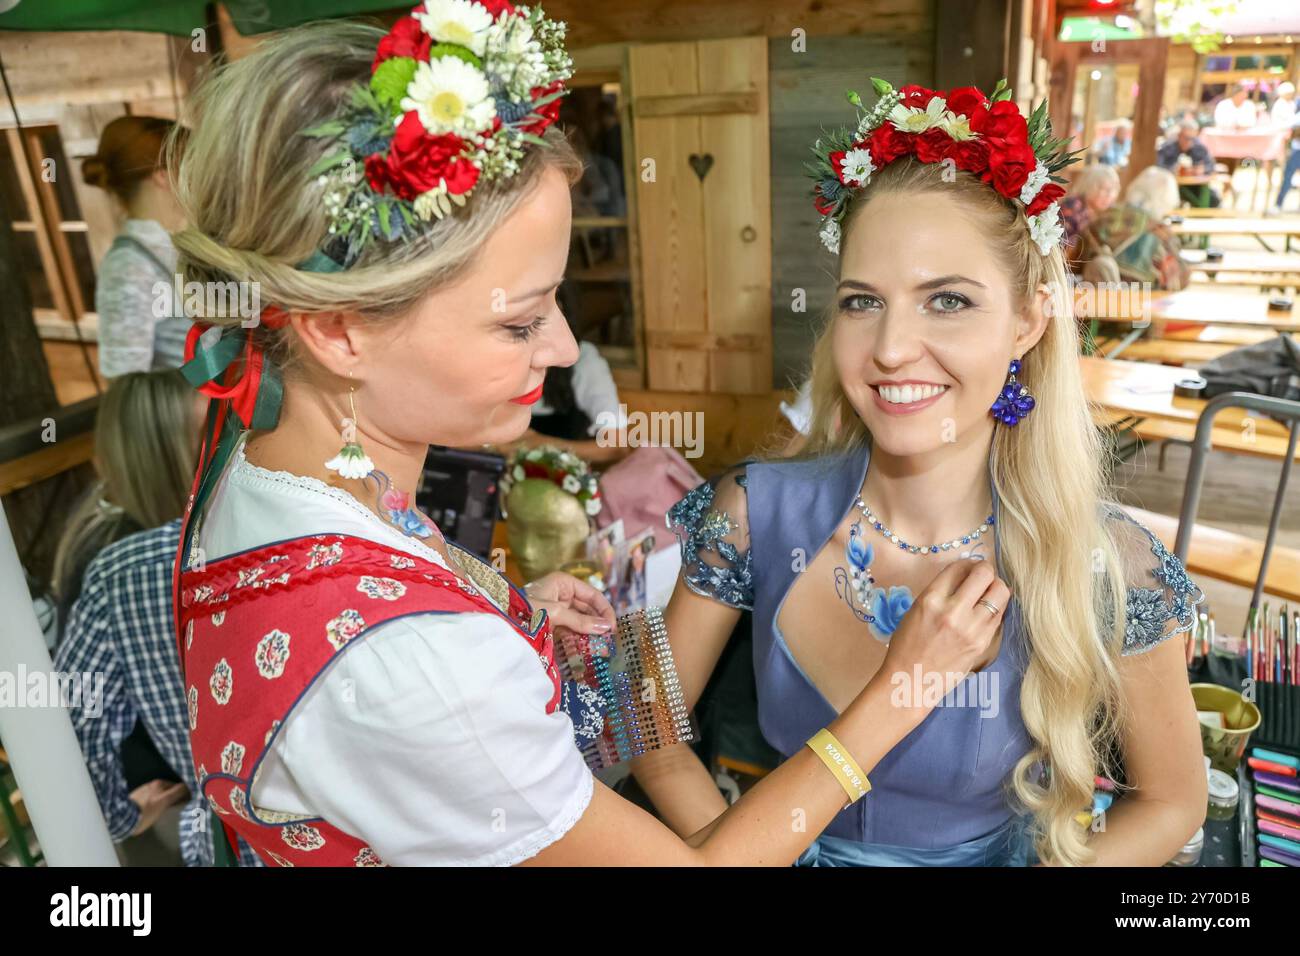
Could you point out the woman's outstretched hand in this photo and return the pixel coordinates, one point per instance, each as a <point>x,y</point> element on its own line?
<point>947,631</point>
<point>571,603</point>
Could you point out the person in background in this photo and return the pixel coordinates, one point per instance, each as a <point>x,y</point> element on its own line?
<point>1093,191</point>
<point>1283,111</point>
<point>113,585</point>
<point>1291,166</point>
<point>137,330</point>
<point>148,417</point>
<point>1136,235</point>
<point>1114,149</point>
<point>1236,111</point>
<point>1186,154</point>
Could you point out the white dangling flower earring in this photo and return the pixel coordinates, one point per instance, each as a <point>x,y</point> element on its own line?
<point>352,460</point>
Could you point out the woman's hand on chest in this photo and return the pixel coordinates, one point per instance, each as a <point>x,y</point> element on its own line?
<point>840,626</point>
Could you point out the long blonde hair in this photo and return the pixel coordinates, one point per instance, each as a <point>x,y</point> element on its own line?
<point>254,213</point>
<point>1057,553</point>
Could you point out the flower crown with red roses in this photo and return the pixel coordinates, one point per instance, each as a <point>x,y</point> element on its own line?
<point>457,90</point>
<point>983,135</point>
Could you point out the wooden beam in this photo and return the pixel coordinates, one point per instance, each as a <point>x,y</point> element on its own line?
<point>695,105</point>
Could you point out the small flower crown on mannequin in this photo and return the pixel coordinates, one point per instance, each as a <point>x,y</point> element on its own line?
<point>559,467</point>
<point>458,89</point>
<point>985,136</point>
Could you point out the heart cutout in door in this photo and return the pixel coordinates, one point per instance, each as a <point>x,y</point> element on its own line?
<point>701,164</point>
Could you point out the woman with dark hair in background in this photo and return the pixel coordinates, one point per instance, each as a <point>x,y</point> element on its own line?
<point>139,330</point>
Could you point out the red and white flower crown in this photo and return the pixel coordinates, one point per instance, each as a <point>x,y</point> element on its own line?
<point>985,136</point>
<point>457,90</point>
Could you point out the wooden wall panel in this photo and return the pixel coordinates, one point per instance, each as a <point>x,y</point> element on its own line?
<point>807,96</point>
<point>738,218</point>
<point>705,241</point>
<point>670,209</point>
<point>656,21</point>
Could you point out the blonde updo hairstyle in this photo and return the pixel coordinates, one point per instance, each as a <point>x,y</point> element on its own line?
<point>1057,555</point>
<point>254,212</point>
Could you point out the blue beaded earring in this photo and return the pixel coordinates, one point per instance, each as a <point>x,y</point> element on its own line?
<point>1014,402</point>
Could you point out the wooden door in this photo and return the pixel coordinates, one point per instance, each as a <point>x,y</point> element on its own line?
<point>703,168</point>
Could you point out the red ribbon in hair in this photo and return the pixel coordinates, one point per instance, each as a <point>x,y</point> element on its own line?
<point>242,391</point>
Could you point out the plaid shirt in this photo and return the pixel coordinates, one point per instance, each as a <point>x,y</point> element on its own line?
<point>121,627</point>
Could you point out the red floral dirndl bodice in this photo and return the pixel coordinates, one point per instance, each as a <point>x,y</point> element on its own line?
<point>260,626</point>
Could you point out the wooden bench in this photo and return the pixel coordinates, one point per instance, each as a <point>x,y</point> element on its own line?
<point>1237,440</point>
<point>1229,557</point>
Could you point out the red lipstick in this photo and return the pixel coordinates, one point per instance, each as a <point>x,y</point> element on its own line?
<point>529,398</point>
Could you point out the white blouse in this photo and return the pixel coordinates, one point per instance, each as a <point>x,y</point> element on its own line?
<point>430,740</point>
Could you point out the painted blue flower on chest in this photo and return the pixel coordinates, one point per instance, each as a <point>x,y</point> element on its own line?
<point>881,608</point>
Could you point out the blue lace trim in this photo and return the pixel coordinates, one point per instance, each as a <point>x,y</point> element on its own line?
<point>699,527</point>
<point>1149,610</point>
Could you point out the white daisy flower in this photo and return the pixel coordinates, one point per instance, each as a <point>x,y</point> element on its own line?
<point>858,167</point>
<point>913,119</point>
<point>1036,181</point>
<point>957,125</point>
<point>571,484</point>
<point>593,506</point>
<point>518,473</point>
<point>456,21</point>
<point>351,462</point>
<point>830,235</point>
<point>450,96</point>
<point>1046,229</point>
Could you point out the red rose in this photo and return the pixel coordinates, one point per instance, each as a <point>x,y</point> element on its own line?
<point>407,38</point>
<point>971,155</point>
<point>1049,194</point>
<point>967,101</point>
<point>416,162</point>
<point>887,143</point>
<point>498,8</point>
<point>933,145</point>
<point>550,112</point>
<point>1009,166</point>
<point>917,96</point>
<point>1001,121</point>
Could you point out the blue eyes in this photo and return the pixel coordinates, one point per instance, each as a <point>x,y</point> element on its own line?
<point>942,302</point>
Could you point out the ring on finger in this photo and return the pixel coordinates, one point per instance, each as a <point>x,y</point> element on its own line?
<point>990,607</point>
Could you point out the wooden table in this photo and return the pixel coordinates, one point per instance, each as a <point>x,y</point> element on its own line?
<point>1284,229</point>
<point>1127,393</point>
<point>1267,264</point>
<point>1199,306</point>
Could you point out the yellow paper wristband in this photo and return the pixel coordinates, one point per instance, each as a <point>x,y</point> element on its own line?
<point>838,761</point>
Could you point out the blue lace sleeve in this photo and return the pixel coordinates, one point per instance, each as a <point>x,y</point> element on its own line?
<point>1162,597</point>
<point>714,536</point>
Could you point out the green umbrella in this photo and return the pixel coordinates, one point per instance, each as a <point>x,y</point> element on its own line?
<point>178,17</point>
